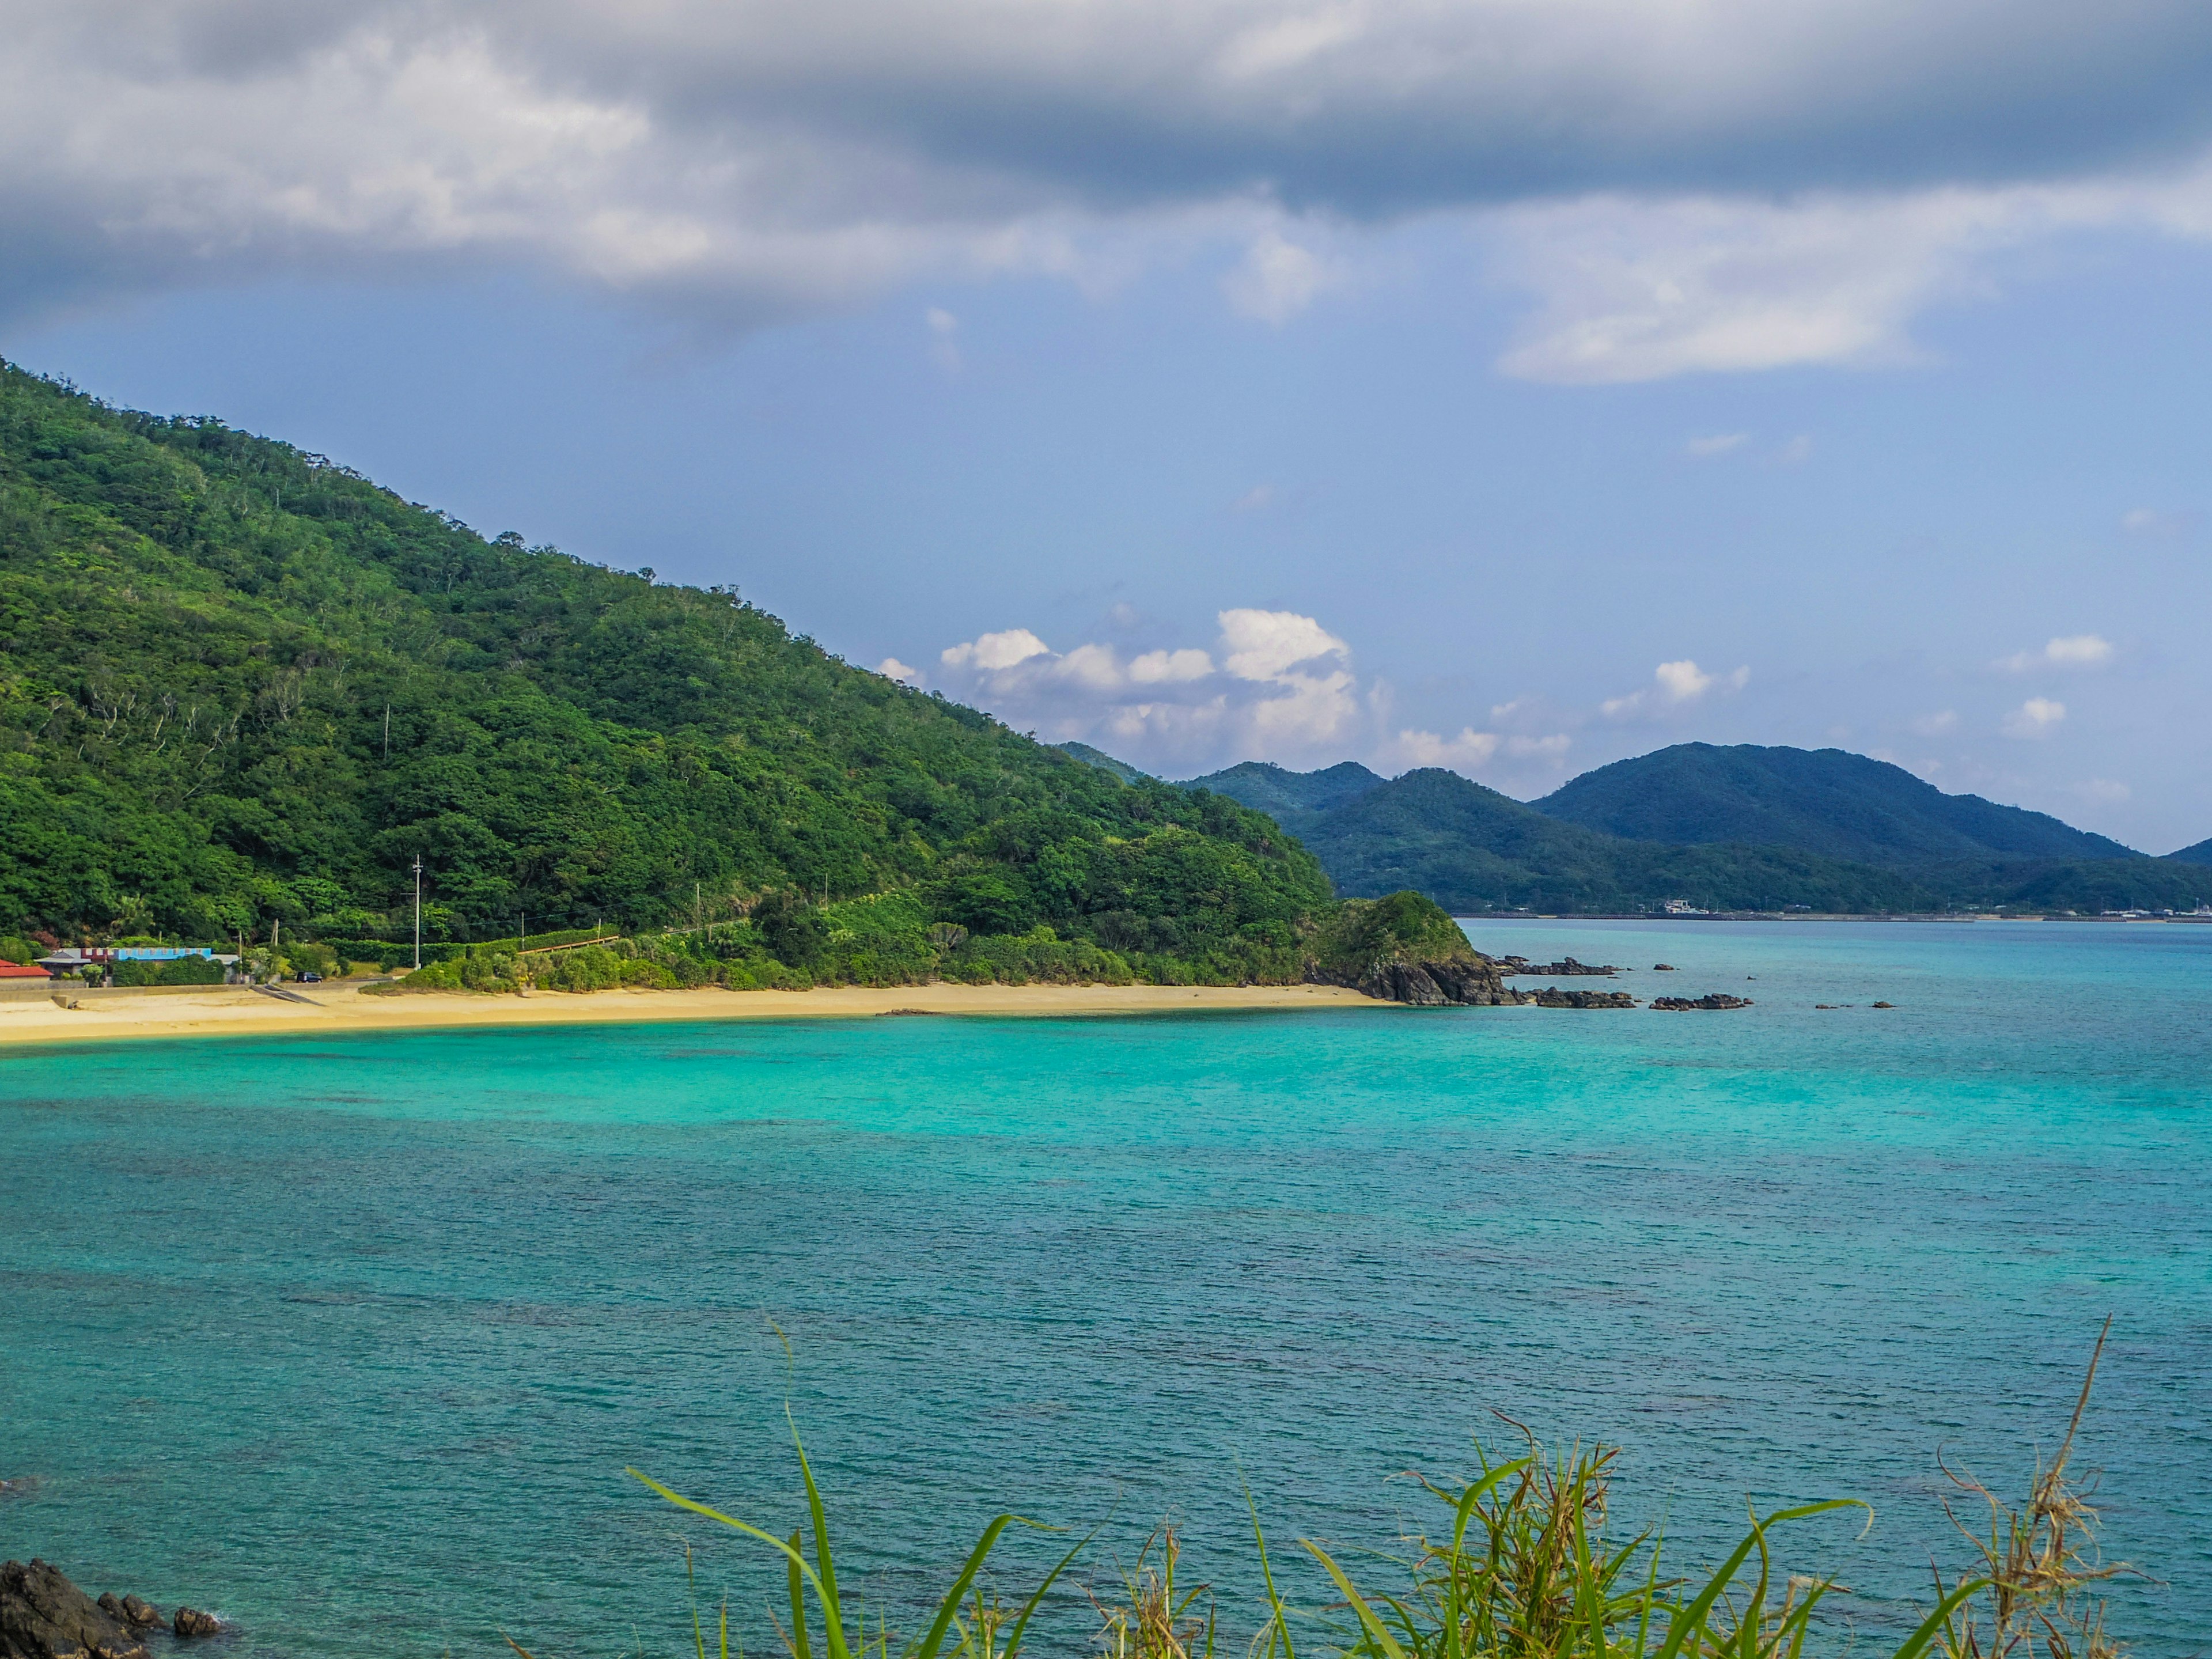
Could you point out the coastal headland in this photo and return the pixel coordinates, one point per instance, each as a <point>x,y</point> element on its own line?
<point>330,1009</point>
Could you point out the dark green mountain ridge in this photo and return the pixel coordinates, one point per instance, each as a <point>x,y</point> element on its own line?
<point>1827,801</point>
<point>1473,850</point>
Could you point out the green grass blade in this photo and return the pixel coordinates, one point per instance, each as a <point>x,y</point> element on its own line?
<point>1014,1638</point>
<point>1932,1626</point>
<point>788,1551</point>
<point>1267,1575</point>
<point>1376,1631</point>
<point>1689,1619</point>
<point>691,1589</point>
<point>833,1611</point>
<point>802,1645</point>
<point>949,1610</point>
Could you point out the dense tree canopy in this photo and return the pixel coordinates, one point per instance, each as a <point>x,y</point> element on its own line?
<point>242,685</point>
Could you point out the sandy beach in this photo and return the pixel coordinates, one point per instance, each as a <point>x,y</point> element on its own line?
<point>330,1009</point>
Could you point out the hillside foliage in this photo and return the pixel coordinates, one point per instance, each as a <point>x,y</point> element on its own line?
<point>240,686</point>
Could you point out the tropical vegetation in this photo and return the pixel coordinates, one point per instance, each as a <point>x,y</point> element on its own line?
<point>1524,1562</point>
<point>244,690</point>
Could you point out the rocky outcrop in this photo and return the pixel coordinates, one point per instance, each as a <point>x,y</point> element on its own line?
<point>1566,968</point>
<point>139,1614</point>
<point>191,1622</point>
<point>1404,949</point>
<point>1439,983</point>
<point>44,1616</point>
<point>1718,999</point>
<point>1553,997</point>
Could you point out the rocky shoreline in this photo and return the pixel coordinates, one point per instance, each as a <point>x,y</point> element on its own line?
<point>44,1616</point>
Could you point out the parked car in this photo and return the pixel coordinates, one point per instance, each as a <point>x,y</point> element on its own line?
<point>311,978</point>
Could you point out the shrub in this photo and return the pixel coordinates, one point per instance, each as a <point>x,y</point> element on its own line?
<point>184,970</point>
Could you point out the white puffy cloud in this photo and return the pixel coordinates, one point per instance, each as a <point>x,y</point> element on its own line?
<point>1732,186</point>
<point>2073,650</point>
<point>1265,645</point>
<point>1170,667</point>
<point>1277,685</point>
<point>1935,724</point>
<point>1673,684</point>
<point>993,651</point>
<point>893,669</point>
<point>1469,750</point>
<point>2036,717</point>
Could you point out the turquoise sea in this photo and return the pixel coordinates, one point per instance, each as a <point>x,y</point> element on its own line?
<point>351,1340</point>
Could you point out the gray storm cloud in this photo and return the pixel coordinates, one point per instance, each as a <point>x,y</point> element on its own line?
<point>751,161</point>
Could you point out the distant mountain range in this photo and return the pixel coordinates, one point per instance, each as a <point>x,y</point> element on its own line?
<point>1720,828</point>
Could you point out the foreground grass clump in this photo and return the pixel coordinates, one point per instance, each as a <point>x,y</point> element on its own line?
<point>1521,1566</point>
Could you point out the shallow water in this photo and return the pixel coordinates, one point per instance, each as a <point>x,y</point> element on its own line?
<point>352,1339</point>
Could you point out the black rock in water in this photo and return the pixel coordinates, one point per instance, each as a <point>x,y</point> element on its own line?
<point>1553,997</point>
<point>139,1614</point>
<point>1718,999</point>
<point>1564,970</point>
<point>44,1616</point>
<point>191,1622</point>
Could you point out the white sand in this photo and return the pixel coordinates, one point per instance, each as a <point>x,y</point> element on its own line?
<point>222,1010</point>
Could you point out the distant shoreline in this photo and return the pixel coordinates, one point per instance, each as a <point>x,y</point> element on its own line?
<point>338,1009</point>
<point>1817,915</point>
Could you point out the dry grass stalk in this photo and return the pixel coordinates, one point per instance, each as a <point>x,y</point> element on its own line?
<point>1152,1619</point>
<point>2039,1563</point>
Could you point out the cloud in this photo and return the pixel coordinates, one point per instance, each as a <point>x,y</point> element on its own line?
<point>893,669</point>
<point>1719,444</point>
<point>2150,523</point>
<point>1673,684</point>
<point>1935,724</point>
<point>1634,287</point>
<point>2036,717</point>
<point>2104,791</point>
<point>2073,650</point>
<point>1253,499</point>
<point>944,344</point>
<point>1278,684</point>
<point>1732,186</point>
<point>1264,644</point>
<point>1170,667</point>
<point>1277,279</point>
<point>1469,750</point>
<point>992,652</point>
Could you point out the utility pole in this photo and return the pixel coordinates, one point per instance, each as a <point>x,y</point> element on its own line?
<point>418,910</point>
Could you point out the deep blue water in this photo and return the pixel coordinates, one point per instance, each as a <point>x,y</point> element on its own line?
<point>351,1340</point>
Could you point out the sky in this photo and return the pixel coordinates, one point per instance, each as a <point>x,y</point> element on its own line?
<point>1469,383</point>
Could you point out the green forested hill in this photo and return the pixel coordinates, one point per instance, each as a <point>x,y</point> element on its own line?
<point>1473,849</point>
<point>1827,801</point>
<point>1296,800</point>
<point>242,685</point>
